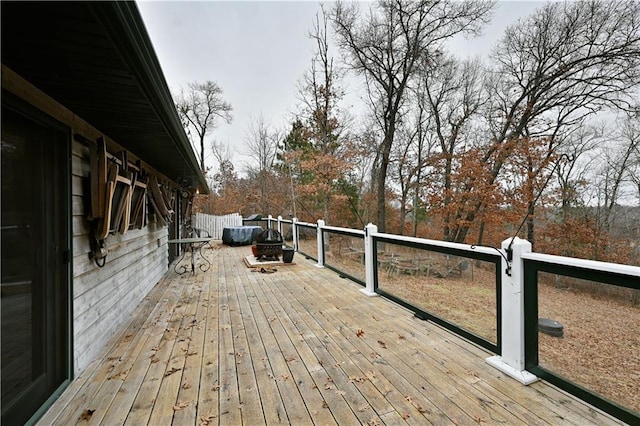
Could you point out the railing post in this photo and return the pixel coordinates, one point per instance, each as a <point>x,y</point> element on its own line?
<point>279,227</point>
<point>369,230</point>
<point>320,240</point>
<point>294,230</point>
<point>269,219</point>
<point>511,362</point>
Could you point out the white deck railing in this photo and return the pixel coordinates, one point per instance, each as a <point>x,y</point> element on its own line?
<point>514,258</point>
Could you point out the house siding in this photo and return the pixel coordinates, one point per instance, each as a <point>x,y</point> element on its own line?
<point>103,298</point>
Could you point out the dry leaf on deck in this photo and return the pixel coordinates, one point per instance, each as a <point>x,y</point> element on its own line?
<point>357,379</point>
<point>383,344</point>
<point>170,372</point>
<point>86,414</point>
<point>181,405</point>
<point>205,421</point>
<point>360,332</point>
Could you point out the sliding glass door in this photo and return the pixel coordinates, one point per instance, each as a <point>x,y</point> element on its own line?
<point>35,262</point>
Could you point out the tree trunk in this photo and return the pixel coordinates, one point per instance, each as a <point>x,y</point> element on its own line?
<point>202,153</point>
<point>382,174</point>
<point>531,235</point>
<point>446,232</point>
<point>481,233</point>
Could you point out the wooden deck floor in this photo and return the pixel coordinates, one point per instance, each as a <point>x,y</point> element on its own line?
<point>297,346</point>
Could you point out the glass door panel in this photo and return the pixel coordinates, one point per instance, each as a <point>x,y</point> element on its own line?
<point>34,283</point>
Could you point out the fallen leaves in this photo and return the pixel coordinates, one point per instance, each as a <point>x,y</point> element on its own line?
<point>207,420</point>
<point>329,384</point>
<point>170,372</point>
<point>357,379</point>
<point>382,344</point>
<point>121,375</point>
<point>86,415</point>
<point>181,405</point>
<point>360,332</point>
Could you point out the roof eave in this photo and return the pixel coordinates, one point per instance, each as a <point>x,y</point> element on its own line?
<point>123,23</point>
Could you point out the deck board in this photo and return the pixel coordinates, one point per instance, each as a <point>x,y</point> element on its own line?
<point>298,346</point>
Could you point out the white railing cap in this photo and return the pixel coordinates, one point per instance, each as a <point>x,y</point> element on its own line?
<point>616,268</point>
<point>444,244</point>
<point>344,230</point>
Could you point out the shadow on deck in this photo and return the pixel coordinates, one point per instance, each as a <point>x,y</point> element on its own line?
<point>297,346</point>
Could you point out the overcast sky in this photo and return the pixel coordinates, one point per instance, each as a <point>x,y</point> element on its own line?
<point>258,51</point>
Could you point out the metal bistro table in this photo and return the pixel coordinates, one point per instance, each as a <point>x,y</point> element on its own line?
<point>194,244</point>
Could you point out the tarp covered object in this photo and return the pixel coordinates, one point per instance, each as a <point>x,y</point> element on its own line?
<point>240,235</point>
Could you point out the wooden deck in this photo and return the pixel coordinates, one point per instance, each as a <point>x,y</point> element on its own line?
<point>297,346</point>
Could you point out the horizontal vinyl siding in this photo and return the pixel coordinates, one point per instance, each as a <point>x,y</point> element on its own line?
<point>104,298</point>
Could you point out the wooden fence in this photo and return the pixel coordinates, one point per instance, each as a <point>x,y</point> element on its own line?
<point>215,224</point>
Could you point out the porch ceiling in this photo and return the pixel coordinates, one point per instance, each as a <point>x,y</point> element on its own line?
<point>96,59</point>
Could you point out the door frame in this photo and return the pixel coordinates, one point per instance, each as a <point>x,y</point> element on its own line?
<point>40,117</point>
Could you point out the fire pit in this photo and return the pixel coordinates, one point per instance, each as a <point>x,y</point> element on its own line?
<point>269,244</point>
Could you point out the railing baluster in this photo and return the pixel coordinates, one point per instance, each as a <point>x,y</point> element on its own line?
<point>511,362</point>
<point>369,258</point>
<point>320,241</point>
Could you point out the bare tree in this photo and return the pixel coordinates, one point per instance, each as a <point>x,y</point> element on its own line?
<point>386,49</point>
<point>616,168</point>
<point>573,176</point>
<point>262,145</point>
<point>554,69</point>
<point>199,107</point>
<point>452,92</point>
<point>320,93</point>
<point>226,170</point>
<point>410,155</point>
